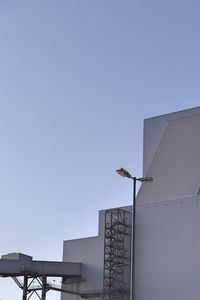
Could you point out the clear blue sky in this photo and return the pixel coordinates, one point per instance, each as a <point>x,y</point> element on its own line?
<point>77,78</point>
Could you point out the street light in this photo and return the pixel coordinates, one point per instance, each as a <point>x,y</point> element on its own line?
<point>124,173</point>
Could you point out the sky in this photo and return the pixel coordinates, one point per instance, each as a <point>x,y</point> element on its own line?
<point>77,79</point>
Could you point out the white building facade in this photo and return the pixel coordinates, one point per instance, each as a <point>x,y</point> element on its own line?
<point>167,232</point>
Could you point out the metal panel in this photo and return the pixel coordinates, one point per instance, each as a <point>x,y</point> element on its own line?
<point>153,131</point>
<point>167,250</point>
<point>175,166</point>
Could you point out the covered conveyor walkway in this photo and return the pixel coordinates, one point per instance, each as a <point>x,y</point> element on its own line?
<point>17,265</point>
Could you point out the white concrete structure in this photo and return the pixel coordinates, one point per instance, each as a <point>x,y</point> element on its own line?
<point>90,251</point>
<point>167,257</point>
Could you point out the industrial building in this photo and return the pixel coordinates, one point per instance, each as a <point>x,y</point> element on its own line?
<point>166,229</point>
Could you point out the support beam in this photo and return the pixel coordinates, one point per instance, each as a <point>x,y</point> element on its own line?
<point>44,287</point>
<point>25,288</point>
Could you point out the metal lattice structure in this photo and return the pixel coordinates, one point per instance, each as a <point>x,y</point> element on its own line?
<point>115,254</point>
<point>39,286</point>
<point>33,286</point>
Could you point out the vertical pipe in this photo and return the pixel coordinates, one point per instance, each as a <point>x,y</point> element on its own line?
<point>25,288</point>
<point>132,280</point>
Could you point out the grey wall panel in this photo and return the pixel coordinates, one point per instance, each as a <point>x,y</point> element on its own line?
<point>90,252</point>
<point>175,166</point>
<point>154,129</point>
<point>168,250</point>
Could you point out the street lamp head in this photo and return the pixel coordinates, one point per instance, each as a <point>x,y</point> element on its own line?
<point>145,179</point>
<point>122,172</point>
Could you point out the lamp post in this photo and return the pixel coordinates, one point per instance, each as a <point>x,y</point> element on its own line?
<point>125,173</point>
